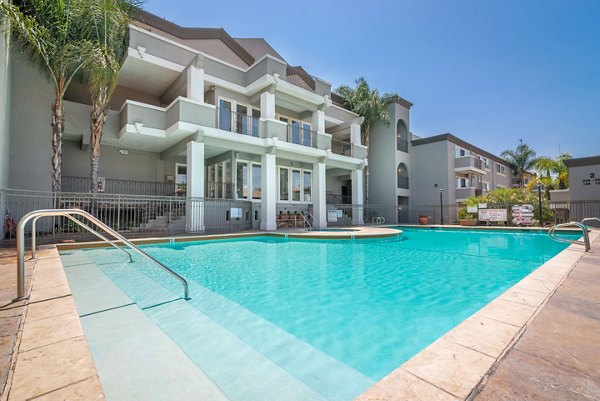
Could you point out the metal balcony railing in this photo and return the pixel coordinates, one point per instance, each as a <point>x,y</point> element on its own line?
<point>301,135</point>
<point>339,147</point>
<point>229,120</point>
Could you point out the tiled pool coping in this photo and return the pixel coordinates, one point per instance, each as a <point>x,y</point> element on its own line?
<point>449,369</point>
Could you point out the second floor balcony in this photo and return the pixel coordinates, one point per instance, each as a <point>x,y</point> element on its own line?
<point>467,192</point>
<point>469,163</point>
<point>176,121</point>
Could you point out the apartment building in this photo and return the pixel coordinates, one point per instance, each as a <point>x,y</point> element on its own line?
<point>221,117</point>
<point>456,168</point>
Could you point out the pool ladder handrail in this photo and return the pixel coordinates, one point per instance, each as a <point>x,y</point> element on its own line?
<point>36,214</point>
<point>583,227</point>
<point>591,219</point>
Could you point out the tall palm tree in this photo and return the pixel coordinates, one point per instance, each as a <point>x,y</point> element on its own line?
<point>554,167</point>
<point>370,105</point>
<point>521,160</point>
<point>47,31</point>
<point>109,30</point>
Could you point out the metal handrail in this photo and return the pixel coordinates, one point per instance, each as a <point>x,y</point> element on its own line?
<point>89,217</point>
<point>590,219</point>
<point>306,221</point>
<point>85,226</point>
<point>583,227</point>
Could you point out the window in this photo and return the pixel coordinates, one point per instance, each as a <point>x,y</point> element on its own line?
<point>284,184</point>
<point>485,186</point>
<point>401,136</point>
<point>299,132</point>
<point>245,120</point>
<point>242,180</point>
<point>180,179</point>
<point>460,152</point>
<point>500,169</point>
<point>255,121</point>
<point>306,135</point>
<point>307,186</point>
<point>225,114</point>
<point>462,182</point>
<point>402,176</point>
<point>296,186</point>
<point>256,181</point>
<point>486,162</point>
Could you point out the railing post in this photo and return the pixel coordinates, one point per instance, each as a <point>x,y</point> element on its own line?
<point>21,260</point>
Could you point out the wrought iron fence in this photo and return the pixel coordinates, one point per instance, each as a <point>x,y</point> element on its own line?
<point>131,215</point>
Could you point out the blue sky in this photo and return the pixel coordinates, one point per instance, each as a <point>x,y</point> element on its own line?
<point>490,72</point>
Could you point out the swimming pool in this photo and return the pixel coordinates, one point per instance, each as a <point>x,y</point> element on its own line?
<point>336,315</point>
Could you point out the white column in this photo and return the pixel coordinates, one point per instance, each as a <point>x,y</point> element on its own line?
<point>357,196</point>
<point>195,83</point>
<point>319,191</point>
<point>318,121</point>
<point>195,187</point>
<point>267,105</point>
<point>268,202</point>
<point>355,133</point>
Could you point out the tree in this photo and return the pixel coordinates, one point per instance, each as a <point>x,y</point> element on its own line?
<point>47,31</point>
<point>556,172</point>
<point>521,160</point>
<point>109,20</point>
<point>370,105</point>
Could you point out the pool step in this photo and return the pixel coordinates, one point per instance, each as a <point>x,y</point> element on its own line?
<point>134,358</point>
<point>327,376</point>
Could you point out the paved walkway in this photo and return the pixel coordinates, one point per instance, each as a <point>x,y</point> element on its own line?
<point>558,356</point>
<point>10,312</point>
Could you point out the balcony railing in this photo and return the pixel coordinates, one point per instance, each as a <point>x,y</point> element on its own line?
<point>341,147</point>
<point>301,135</point>
<point>403,182</point>
<point>229,120</point>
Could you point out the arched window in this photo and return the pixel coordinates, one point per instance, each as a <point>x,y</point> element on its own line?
<point>402,174</point>
<point>402,136</point>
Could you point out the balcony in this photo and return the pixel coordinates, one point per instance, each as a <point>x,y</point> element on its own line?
<point>469,163</point>
<point>301,136</point>
<point>239,123</point>
<point>467,192</point>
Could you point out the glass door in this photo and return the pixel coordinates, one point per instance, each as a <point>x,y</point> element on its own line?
<point>225,115</point>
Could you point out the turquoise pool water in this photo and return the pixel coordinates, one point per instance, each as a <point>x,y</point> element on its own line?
<point>365,305</point>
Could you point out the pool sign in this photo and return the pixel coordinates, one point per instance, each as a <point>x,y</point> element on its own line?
<point>522,215</point>
<point>332,216</point>
<point>492,215</point>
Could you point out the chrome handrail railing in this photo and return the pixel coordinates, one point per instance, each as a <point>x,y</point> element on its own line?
<point>583,227</point>
<point>68,213</point>
<point>590,219</point>
<point>85,226</point>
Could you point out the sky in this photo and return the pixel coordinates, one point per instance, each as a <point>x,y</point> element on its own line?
<point>489,72</point>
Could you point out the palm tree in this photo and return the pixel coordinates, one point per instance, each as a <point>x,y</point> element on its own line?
<point>370,105</point>
<point>47,31</point>
<point>521,160</point>
<point>109,29</point>
<point>554,167</point>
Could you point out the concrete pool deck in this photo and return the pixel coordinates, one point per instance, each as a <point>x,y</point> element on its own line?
<point>472,361</point>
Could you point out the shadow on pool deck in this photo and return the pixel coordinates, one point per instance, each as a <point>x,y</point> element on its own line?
<point>558,356</point>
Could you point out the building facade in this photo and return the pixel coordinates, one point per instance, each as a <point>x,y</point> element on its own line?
<point>218,117</point>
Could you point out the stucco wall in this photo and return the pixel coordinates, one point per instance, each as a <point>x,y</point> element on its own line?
<point>429,166</point>
<point>5,91</point>
<point>137,165</point>
<point>577,190</point>
<point>31,130</point>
